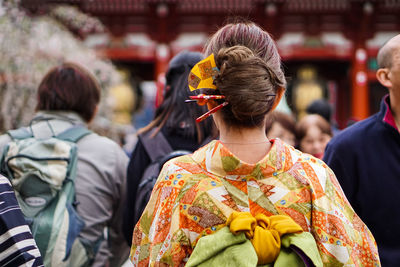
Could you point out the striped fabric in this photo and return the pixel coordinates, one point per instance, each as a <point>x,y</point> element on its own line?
<point>17,247</point>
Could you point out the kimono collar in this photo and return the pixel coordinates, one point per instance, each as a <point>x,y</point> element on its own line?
<point>216,159</point>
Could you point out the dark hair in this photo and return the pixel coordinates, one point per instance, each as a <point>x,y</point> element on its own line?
<point>283,119</point>
<point>322,108</point>
<point>69,87</point>
<point>250,72</point>
<point>309,120</point>
<point>173,112</point>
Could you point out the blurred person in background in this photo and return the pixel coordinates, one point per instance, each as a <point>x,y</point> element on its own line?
<point>240,186</point>
<point>281,125</point>
<point>324,109</point>
<point>366,159</point>
<point>68,96</point>
<point>175,120</point>
<point>17,247</point>
<point>313,133</point>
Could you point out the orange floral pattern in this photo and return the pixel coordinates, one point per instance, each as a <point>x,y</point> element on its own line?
<point>195,194</point>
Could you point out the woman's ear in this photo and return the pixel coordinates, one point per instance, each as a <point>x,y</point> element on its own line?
<point>383,77</point>
<point>278,97</point>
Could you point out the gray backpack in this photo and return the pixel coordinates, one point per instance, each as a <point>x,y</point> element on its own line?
<point>42,172</point>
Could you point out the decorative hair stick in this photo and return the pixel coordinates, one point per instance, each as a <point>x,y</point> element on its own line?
<point>202,98</point>
<point>207,97</point>
<point>210,112</point>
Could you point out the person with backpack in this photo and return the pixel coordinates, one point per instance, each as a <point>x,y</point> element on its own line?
<point>69,181</point>
<point>244,199</point>
<point>173,128</point>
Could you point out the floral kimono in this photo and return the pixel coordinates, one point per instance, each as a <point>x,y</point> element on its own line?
<point>195,195</point>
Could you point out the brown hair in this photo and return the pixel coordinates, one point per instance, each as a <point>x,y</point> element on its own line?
<point>250,72</point>
<point>69,87</point>
<point>283,119</point>
<point>310,120</point>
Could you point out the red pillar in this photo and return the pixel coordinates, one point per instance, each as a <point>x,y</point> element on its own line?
<point>359,82</point>
<point>360,18</point>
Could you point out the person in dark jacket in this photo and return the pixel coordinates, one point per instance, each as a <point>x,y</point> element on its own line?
<point>175,120</point>
<point>366,160</point>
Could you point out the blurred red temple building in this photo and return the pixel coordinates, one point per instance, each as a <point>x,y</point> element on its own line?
<point>339,38</point>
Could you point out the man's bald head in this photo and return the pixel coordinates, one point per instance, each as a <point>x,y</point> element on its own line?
<point>385,54</point>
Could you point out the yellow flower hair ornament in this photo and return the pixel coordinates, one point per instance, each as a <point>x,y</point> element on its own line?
<point>202,76</point>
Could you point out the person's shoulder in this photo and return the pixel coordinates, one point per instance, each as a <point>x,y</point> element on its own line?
<point>181,158</point>
<point>98,146</point>
<point>180,164</point>
<point>305,166</point>
<point>356,133</point>
<point>101,141</point>
<point>186,166</point>
<point>295,159</point>
<point>302,157</point>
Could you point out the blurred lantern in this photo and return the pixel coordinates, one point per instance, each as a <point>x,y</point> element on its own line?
<point>368,8</point>
<point>270,9</point>
<point>162,10</point>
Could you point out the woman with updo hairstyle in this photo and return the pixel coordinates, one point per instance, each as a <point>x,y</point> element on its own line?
<point>245,200</point>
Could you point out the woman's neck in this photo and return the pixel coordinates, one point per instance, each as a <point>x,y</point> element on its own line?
<point>249,145</point>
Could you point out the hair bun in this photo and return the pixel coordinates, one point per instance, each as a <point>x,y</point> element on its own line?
<point>232,55</point>
<point>250,72</point>
<point>247,83</point>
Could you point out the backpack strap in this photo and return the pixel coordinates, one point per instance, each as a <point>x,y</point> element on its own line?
<point>74,134</point>
<point>21,133</point>
<point>156,146</point>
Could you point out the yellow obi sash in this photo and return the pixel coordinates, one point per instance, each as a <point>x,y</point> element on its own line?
<point>263,232</point>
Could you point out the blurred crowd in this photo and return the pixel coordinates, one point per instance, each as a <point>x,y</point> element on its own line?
<point>310,134</point>
<point>244,167</point>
